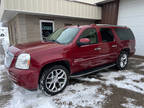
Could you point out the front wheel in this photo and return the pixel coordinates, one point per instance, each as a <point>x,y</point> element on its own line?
<point>54,79</point>
<point>122,61</point>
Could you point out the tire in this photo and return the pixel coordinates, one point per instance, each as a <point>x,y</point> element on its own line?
<point>122,61</point>
<point>54,80</point>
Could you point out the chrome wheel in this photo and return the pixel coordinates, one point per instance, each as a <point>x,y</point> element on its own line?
<point>56,80</point>
<point>123,60</point>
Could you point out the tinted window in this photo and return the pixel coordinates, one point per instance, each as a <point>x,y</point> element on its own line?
<point>63,35</point>
<point>107,35</point>
<point>124,34</point>
<point>90,34</point>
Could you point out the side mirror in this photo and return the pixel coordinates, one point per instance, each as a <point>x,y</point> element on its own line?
<point>83,41</point>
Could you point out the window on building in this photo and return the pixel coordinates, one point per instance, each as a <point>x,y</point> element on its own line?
<point>107,35</point>
<point>90,34</point>
<point>47,28</point>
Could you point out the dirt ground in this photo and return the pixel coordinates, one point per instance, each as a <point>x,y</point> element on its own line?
<point>115,99</point>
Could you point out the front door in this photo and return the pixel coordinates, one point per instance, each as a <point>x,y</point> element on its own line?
<point>87,56</point>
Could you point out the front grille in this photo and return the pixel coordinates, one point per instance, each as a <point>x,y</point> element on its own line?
<point>12,77</point>
<point>8,59</point>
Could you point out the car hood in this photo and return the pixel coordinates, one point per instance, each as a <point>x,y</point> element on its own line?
<point>35,47</point>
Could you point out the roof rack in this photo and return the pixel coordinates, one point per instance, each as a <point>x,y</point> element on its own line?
<point>110,25</point>
<point>93,24</point>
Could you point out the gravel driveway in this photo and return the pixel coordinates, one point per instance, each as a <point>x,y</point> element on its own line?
<point>107,89</point>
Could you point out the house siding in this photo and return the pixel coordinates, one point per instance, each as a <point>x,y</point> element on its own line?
<point>131,14</point>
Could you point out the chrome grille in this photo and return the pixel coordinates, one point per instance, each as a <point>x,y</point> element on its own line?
<point>8,59</point>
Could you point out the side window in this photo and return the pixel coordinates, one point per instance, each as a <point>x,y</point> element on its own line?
<point>124,34</point>
<point>107,35</point>
<point>90,34</point>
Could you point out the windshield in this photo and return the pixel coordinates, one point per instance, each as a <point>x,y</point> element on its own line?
<point>63,35</point>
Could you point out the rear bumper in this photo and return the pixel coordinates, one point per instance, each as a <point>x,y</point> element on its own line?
<point>132,53</point>
<point>28,79</point>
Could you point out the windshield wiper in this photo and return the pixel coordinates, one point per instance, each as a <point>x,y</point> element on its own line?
<point>54,41</point>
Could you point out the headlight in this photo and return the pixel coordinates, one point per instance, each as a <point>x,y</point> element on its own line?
<point>23,61</point>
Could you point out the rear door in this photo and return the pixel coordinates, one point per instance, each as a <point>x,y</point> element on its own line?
<point>108,45</point>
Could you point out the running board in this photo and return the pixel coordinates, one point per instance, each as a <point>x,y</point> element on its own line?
<point>90,71</point>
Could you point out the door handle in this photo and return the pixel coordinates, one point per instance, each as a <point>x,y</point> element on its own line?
<point>114,46</point>
<point>97,49</point>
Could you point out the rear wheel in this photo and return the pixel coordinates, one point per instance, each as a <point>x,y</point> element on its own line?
<point>122,61</point>
<point>54,79</point>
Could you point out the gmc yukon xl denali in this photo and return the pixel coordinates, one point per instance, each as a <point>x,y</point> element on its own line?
<point>69,52</point>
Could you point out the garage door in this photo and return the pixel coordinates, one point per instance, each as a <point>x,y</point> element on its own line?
<point>131,14</point>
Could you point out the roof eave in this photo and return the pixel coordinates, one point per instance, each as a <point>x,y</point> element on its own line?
<point>104,2</point>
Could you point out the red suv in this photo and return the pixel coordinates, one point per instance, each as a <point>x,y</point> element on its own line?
<point>69,52</point>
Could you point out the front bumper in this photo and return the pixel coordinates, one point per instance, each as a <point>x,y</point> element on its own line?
<point>26,78</point>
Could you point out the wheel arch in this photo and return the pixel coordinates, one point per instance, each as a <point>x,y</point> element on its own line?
<point>126,50</point>
<point>64,63</point>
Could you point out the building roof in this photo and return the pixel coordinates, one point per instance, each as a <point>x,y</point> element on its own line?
<point>104,2</point>
<point>64,8</point>
<point>93,2</point>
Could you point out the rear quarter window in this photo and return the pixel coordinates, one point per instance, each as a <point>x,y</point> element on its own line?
<point>124,34</point>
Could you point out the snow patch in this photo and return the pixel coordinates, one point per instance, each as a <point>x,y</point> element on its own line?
<point>131,82</point>
<point>83,95</point>
<point>29,99</point>
<point>2,67</point>
<point>142,64</point>
<point>130,104</point>
<point>90,79</point>
<point>5,44</point>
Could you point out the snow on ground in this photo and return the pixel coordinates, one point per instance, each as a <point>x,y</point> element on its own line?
<point>79,94</point>
<point>122,79</point>
<point>27,99</point>
<point>2,67</point>
<point>74,95</point>
<point>142,64</point>
<point>83,95</point>
<point>130,104</point>
<point>130,81</point>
